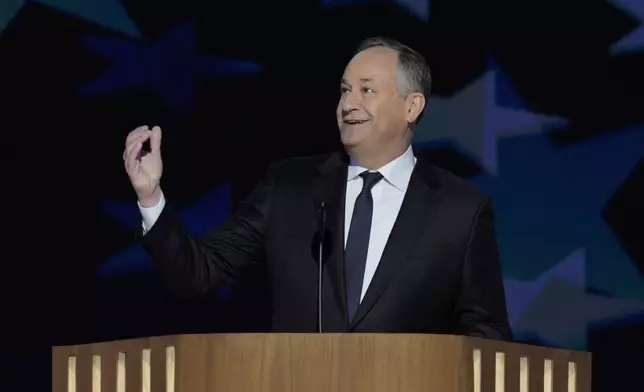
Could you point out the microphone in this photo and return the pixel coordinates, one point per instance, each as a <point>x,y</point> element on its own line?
<point>320,257</point>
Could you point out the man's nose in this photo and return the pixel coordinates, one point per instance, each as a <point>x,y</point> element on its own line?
<point>350,102</point>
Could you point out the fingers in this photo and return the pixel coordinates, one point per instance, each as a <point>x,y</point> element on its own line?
<point>136,133</point>
<point>155,140</point>
<point>141,135</point>
<point>134,137</point>
<point>134,144</point>
<point>132,154</point>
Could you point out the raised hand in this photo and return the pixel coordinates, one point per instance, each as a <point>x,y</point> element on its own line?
<point>144,168</point>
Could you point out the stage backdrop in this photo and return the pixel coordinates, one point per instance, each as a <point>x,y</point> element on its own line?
<point>537,103</point>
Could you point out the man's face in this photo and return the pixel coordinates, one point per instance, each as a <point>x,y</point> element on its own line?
<point>371,112</point>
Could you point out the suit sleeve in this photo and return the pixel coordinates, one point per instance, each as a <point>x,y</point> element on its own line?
<point>193,266</point>
<point>481,307</point>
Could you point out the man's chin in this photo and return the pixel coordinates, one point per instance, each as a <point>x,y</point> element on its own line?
<point>349,141</point>
<point>352,135</point>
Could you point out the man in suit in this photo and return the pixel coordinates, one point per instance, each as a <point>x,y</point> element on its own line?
<point>410,248</point>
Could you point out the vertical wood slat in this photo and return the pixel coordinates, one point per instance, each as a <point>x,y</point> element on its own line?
<point>524,373</point>
<point>572,377</point>
<point>170,368</point>
<point>71,374</point>
<point>145,370</point>
<point>548,373</point>
<point>499,372</point>
<point>476,362</point>
<point>121,371</point>
<point>97,370</point>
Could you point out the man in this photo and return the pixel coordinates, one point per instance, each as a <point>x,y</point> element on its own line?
<point>412,248</point>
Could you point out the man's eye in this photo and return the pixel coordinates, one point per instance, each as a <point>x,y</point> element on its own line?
<point>366,90</point>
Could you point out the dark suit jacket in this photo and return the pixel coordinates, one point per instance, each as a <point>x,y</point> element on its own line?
<point>439,273</point>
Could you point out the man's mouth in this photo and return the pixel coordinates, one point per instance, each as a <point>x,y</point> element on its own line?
<point>354,122</point>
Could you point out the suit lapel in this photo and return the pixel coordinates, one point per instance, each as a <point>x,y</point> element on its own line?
<point>329,186</point>
<point>407,230</point>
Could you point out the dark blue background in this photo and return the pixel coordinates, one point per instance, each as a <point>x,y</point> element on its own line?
<point>538,103</point>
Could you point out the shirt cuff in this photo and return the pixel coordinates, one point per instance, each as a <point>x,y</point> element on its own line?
<point>150,215</point>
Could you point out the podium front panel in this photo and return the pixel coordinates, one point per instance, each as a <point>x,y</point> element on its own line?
<point>317,362</point>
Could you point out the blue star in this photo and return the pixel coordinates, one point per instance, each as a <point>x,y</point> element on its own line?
<point>474,121</point>
<point>418,8</point>
<point>106,13</point>
<point>634,41</point>
<point>202,217</point>
<point>557,310</point>
<point>549,201</point>
<point>170,67</point>
<point>520,294</point>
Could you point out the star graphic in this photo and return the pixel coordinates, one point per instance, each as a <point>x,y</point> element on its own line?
<point>634,41</point>
<point>548,202</point>
<point>106,13</point>
<point>472,121</point>
<point>418,8</point>
<point>520,294</point>
<point>201,218</point>
<point>557,310</point>
<point>169,66</point>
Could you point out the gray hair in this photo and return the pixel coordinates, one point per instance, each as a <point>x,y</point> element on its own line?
<point>414,74</point>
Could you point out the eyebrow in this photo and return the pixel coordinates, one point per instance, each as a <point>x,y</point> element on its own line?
<point>363,80</point>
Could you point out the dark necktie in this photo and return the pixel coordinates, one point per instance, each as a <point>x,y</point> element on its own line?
<point>355,254</point>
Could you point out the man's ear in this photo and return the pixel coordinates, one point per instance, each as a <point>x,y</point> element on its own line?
<point>415,106</point>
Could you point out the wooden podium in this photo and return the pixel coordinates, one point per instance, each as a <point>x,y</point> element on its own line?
<point>317,362</point>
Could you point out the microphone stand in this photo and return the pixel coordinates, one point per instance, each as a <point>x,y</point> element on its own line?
<point>322,228</point>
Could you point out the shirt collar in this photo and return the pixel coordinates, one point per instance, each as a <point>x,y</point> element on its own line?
<point>397,172</point>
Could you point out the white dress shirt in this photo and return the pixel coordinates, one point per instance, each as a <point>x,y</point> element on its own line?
<point>388,195</point>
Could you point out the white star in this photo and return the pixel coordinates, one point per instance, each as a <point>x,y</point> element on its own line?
<point>634,41</point>
<point>473,120</point>
<point>557,309</point>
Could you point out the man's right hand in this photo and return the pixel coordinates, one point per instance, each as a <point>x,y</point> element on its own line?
<point>144,168</point>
